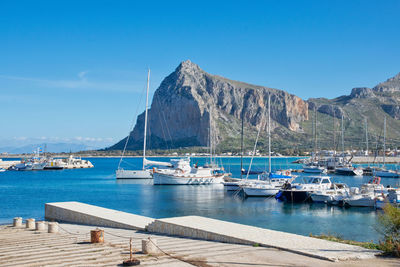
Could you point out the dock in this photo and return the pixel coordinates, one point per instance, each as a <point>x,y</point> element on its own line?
<point>5,164</point>
<point>71,247</point>
<point>81,213</point>
<point>196,227</point>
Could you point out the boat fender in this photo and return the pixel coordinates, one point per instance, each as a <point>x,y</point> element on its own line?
<point>287,173</point>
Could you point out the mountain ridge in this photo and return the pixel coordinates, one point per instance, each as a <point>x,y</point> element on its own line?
<point>189,98</point>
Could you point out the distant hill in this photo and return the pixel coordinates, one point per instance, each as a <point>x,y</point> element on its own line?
<point>50,147</point>
<point>182,106</point>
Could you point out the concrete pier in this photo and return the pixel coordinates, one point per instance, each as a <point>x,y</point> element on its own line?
<point>71,247</point>
<point>207,229</point>
<point>76,212</point>
<point>217,230</point>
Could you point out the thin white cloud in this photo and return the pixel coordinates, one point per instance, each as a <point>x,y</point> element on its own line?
<point>81,83</point>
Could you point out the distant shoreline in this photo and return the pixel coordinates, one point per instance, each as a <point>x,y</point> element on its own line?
<point>161,156</point>
<point>355,160</point>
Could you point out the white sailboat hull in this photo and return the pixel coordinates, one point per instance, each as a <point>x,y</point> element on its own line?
<point>165,179</point>
<point>389,174</point>
<point>321,197</point>
<point>134,174</point>
<point>361,202</point>
<point>260,192</point>
<point>232,186</point>
<point>314,170</point>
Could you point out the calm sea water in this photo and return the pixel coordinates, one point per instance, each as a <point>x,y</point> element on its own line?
<point>25,193</point>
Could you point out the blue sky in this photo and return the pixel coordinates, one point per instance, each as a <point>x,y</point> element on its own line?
<point>76,69</point>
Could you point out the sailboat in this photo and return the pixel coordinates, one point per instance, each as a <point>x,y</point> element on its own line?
<point>347,168</point>
<point>384,172</point>
<point>269,183</point>
<point>314,166</point>
<point>143,173</point>
<point>182,173</point>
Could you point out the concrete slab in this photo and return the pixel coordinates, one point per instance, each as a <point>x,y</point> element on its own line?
<point>217,230</point>
<point>71,247</point>
<point>81,213</point>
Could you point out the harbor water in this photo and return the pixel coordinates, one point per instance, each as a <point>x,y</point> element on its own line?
<point>23,194</point>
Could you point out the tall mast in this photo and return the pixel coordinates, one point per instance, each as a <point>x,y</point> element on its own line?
<point>313,134</point>
<point>342,138</point>
<point>145,119</point>
<point>241,142</point>
<point>209,136</point>
<point>366,139</point>
<point>315,140</point>
<point>334,131</point>
<point>384,140</point>
<point>269,133</point>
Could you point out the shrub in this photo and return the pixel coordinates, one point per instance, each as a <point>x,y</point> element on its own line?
<point>389,227</point>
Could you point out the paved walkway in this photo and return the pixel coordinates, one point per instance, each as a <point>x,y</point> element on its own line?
<point>70,247</point>
<point>211,229</point>
<point>77,212</point>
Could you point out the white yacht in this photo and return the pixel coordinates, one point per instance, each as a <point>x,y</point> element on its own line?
<point>182,173</point>
<point>333,195</point>
<point>367,195</point>
<point>302,192</point>
<point>349,171</point>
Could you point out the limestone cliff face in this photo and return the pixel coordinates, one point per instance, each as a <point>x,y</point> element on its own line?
<point>391,85</point>
<point>186,99</point>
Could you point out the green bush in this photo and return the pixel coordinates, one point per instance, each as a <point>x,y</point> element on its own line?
<point>389,227</point>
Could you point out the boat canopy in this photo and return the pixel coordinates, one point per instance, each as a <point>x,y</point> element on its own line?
<point>156,163</point>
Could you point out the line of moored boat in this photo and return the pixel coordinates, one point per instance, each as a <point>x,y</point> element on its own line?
<point>37,163</point>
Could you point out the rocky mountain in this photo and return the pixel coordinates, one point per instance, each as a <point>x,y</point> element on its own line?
<point>190,102</point>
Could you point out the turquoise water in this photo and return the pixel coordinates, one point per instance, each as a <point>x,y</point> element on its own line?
<point>25,193</point>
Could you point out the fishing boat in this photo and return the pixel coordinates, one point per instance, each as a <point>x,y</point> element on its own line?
<point>54,164</point>
<point>298,193</point>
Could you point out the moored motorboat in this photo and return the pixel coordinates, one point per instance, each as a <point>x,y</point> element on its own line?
<point>386,173</point>
<point>314,168</point>
<point>302,192</point>
<point>349,171</point>
<point>332,195</point>
<point>367,195</point>
<point>392,198</point>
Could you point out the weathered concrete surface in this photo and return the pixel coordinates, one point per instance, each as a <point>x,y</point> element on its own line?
<point>81,213</point>
<point>70,247</point>
<point>217,230</point>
